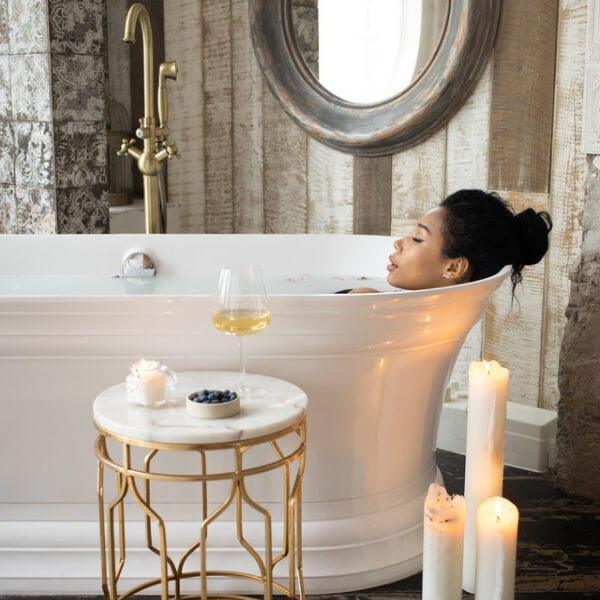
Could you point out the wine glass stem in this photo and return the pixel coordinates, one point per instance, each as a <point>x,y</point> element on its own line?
<point>242,364</point>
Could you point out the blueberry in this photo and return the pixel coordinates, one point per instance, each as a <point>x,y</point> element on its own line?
<point>207,396</point>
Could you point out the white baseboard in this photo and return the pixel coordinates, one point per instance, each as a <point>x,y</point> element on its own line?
<point>530,434</point>
<point>61,556</point>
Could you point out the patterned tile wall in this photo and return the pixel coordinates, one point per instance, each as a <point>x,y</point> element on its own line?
<point>78,98</point>
<point>53,163</point>
<point>27,203</point>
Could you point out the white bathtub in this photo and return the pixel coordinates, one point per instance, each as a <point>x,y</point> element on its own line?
<point>374,367</point>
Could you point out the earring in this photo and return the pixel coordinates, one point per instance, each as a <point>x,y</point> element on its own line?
<point>445,276</point>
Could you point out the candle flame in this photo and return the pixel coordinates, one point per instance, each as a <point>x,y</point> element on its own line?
<point>145,364</point>
<point>486,364</point>
<point>498,510</point>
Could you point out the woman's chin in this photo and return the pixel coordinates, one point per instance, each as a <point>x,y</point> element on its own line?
<point>394,280</point>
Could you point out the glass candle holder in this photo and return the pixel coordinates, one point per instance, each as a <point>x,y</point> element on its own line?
<point>149,383</point>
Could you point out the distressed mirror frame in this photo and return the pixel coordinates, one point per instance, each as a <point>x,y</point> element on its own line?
<point>395,124</point>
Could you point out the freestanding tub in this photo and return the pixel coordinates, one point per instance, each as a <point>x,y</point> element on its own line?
<point>374,366</point>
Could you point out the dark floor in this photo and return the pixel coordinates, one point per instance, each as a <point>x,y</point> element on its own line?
<point>558,555</point>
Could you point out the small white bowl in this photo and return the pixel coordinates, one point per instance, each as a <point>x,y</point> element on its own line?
<point>202,410</point>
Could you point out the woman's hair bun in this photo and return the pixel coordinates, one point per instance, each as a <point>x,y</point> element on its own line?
<point>532,229</point>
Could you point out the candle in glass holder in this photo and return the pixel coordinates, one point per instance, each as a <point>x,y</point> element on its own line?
<point>484,466</point>
<point>497,525</point>
<point>146,383</point>
<point>443,529</point>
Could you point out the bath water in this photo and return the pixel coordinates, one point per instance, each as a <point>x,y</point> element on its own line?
<point>176,285</point>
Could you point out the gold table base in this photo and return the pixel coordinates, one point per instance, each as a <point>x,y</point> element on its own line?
<point>112,526</point>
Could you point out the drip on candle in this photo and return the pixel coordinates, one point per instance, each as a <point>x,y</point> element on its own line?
<point>442,544</point>
<point>443,508</point>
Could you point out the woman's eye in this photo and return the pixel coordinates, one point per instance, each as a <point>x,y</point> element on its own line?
<point>417,239</point>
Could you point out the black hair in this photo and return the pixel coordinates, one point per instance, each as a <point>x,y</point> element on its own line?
<point>484,228</point>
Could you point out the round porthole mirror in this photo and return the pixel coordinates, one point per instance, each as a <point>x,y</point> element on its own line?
<point>399,76</point>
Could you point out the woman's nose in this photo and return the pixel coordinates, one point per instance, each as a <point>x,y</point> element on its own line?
<point>398,244</point>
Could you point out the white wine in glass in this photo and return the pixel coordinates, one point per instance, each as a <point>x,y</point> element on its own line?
<point>241,307</point>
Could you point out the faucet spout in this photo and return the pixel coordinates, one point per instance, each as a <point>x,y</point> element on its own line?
<point>156,145</point>
<point>137,12</point>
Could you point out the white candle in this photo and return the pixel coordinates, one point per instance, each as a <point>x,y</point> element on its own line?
<point>443,529</point>
<point>486,423</point>
<point>497,525</point>
<point>148,385</point>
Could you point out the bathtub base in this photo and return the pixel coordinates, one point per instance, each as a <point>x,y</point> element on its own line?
<point>60,555</point>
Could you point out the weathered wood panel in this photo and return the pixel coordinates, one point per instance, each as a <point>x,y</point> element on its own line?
<point>372,179</point>
<point>285,170</point>
<point>513,330</point>
<point>402,227</point>
<point>522,96</point>
<point>568,175</point>
<point>183,43</point>
<point>419,178</point>
<point>247,127</point>
<point>467,167</point>
<point>467,155</point>
<point>330,190</point>
<point>218,143</point>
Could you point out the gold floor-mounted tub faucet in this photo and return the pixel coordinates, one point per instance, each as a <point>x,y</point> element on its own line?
<point>156,145</point>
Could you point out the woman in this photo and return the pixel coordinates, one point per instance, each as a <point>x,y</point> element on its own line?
<point>471,235</point>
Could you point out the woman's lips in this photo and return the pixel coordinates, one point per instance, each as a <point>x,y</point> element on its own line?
<point>392,265</point>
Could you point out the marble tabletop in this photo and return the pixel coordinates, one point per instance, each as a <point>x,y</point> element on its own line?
<point>272,405</point>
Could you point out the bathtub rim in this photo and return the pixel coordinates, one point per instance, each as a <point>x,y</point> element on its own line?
<point>487,286</point>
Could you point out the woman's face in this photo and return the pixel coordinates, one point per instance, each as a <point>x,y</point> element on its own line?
<point>418,262</point>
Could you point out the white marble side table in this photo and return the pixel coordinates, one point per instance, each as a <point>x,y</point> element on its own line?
<point>277,411</point>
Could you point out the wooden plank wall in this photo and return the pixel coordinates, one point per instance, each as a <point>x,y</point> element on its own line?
<point>246,167</point>
<point>183,43</point>
<point>519,158</point>
<point>568,173</point>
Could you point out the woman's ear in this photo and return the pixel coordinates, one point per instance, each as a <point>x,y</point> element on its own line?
<point>456,269</point>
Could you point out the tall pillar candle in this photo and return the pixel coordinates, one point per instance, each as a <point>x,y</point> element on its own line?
<point>497,525</point>
<point>443,528</point>
<point>486,424</point>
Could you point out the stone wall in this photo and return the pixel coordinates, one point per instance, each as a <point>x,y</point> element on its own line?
<point>578,437</point>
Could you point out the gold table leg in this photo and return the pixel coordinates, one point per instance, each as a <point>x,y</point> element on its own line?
<point>126,476</point>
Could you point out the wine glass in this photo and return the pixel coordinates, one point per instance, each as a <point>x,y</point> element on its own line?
<point>241,307</point>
